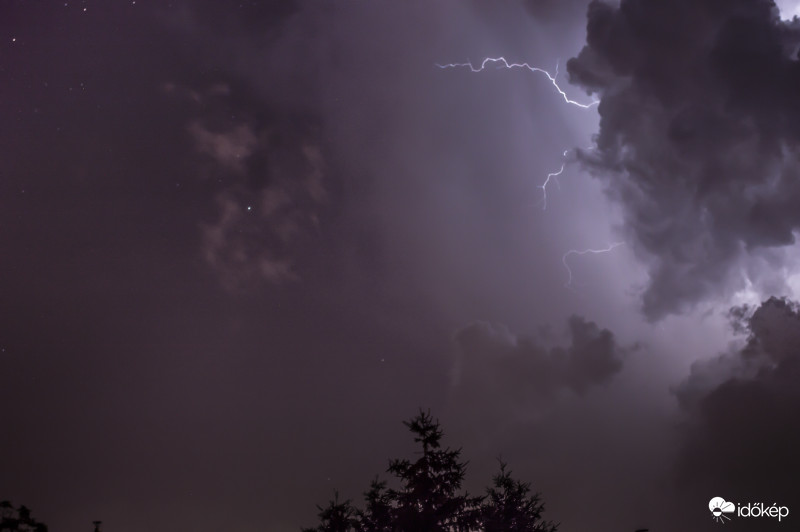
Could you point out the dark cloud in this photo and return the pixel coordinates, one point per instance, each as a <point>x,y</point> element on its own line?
<point>269,171</point>
<point>503,377</point>
<point>390,202</point>
<point>259,227</point>
<point>741,433</point>
<point>698,128</point>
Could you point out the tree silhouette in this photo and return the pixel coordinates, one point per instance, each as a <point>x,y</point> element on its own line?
<point>509,507</point>
<point>336,517</point>
<point>378,514</point>
<point>18,519</point>
<point>429,498</point>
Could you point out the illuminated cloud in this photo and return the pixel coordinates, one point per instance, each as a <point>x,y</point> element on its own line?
<point>699,124</point>
<point>229,149</point>
<point>501,376</point>
<point>788,8</point>
<point>739,430</point>
<point>258,229</point>
<point>270,180</point>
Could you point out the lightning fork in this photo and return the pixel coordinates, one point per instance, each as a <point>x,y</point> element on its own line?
<point>506,64</point>
<point>568,284</point>
<point>543,186</point>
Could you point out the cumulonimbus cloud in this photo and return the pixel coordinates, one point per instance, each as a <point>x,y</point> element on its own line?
<point>501,375</point>
<point>699,123</point>
<point>740,430</point>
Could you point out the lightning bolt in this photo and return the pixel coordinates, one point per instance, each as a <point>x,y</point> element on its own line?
<point>568,284</point>
<point>543,186</point>
<point>503,63</point>
<point>507,65</point>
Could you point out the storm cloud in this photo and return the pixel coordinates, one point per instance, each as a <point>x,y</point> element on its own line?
<point>699,122</point>
<point>504,377</point>
<point>740,430</point>
<point>241,242</point>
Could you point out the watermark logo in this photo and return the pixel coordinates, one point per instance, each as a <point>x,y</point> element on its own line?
<point>719,507</point>
<point>722,510</point>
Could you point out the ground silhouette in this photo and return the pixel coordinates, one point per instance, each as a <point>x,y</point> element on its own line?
<point>430,498</point>
<point>18,519</point>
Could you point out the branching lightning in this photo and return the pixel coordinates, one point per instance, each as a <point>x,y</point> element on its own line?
<point>502,63</point>
<point>568,284</point>
<point>506,64</point>
<point>555,175</point>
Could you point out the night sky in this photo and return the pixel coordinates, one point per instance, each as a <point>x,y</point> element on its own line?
<point>241,242</point>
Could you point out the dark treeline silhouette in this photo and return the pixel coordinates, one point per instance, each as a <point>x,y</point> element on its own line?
<point>430,498</point>
<point>18,519</point>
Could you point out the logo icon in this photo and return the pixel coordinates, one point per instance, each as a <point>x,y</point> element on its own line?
<point>719,507</point>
